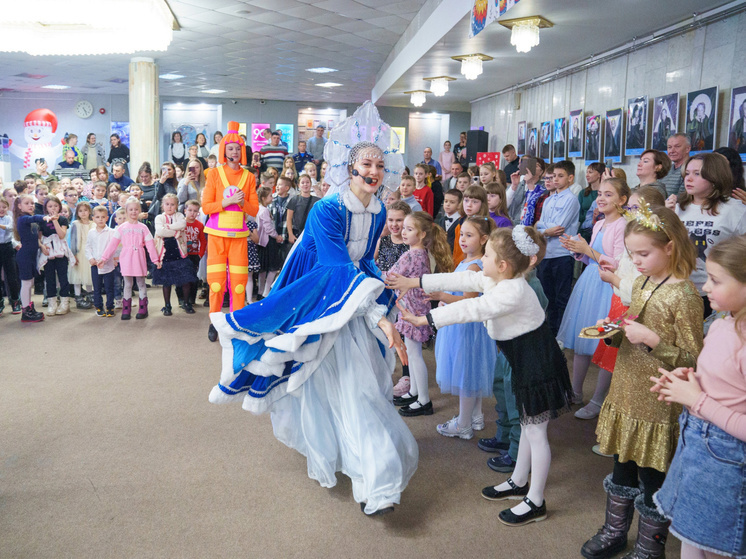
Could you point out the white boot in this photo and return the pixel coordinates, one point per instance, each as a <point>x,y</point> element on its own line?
<point>64,307</point>
<point>52,306</point>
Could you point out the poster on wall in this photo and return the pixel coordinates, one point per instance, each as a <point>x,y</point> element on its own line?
<point>575,147</point>
<point>558,142</point>
<point>613,138</point>
<point>665,119</point>
<point>520,147</point>
<point>545,142</point>
<point>123,129</point>
<point>737,122</point>
<point>701,119</point>
<point>402,133</point>
<point>592,138</point>
<point>287,136</point>
<point>637,125</point>
<point>257,136</point>
<point>532,142</point>
<point>188,132</point>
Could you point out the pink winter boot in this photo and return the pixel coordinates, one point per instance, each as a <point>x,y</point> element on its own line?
<point>126,309</point>
<point>142,311</point>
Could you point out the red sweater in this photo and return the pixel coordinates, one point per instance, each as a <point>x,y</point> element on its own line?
<point>425,197</point>
<point>195,237</point>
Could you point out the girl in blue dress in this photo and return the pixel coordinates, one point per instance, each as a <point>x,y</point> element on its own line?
<point>464,353</point>
<point>316,351</point>
<point>591,297</point>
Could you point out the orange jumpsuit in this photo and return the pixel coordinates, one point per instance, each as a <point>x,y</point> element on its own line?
<point>226,228</point>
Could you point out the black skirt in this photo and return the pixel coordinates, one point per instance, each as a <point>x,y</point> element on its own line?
<point>270,257</point>
<point>541,382</point>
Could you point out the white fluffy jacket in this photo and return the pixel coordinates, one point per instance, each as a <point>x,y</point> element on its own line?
<point>508,308</point>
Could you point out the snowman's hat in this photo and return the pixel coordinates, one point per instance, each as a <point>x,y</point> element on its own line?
<point>41,117</point>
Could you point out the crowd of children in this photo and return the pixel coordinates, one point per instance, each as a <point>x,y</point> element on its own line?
<point>496,250</point>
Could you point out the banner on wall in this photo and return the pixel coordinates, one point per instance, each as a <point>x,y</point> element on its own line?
<point>402,133</point>
<point>287,136</point>
<point>123,129</point>
<point>487,156</point>
<point>258,141</point>
<point>485,12</point>
<point>242,129</point>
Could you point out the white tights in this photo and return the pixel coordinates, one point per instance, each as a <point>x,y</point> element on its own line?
<point>79,287</point>
<point>142,292</point>
<point>265,282</point>
<point>417,371</point>
<point>534,456</point>
<point>250,289</point>
<point>580,365</point>
<point>27,287</point>
<point>468,409</point>
<point>691,552</point>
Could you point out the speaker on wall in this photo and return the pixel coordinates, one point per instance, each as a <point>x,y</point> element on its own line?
<point>476,141</point>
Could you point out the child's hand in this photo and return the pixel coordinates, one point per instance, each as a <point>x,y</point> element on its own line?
<point>639,334</point>
<point>395,341</point>
<point>672,387</point>
<point>291,238</point>
<point>671,202</point>
<point>158,265</point>
<point>409,317</point>
<point>177,235</point>
<point>739,194</point>
<point>555,231</point>
<point>401,283</point>
<point>47,218</point>
<point>607,276</point>
<point>435,295</point>
<point>578,246</point>
<point>279,239</point>
<point>93,262</point>
<point>603,321</point>
<point>44,249</point>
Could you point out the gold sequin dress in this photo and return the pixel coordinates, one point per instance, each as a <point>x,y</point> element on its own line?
<point>633,423</point>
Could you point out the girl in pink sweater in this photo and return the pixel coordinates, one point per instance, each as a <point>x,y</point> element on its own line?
<point>704,488</point>
<point>134,237</point>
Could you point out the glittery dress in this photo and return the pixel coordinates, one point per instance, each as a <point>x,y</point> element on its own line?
<point>633,423</point>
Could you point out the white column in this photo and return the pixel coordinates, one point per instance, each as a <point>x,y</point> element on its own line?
<point>144,114</point>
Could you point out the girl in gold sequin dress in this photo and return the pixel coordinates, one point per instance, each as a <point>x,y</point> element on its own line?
<point>634,426</point>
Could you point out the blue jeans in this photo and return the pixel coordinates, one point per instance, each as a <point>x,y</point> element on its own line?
<point>508,423</point>
<point>107,282</point>
<point>555,275</point>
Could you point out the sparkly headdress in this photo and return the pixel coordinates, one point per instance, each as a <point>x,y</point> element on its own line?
<point>360,133</point>
<point>523,242</point>
<point>644,216</point>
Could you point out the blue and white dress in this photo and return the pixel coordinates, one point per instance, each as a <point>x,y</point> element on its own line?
<point>465,355</point>
<point>312,354</point>
<point>590,302</point>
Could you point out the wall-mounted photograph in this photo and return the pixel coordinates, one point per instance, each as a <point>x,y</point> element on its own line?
<point>637,125</point>
<point>575,134</point>
<point>545,143</point>
<point>737,122</point>
<point>531,148</point>
<point>520,146</point>
<point>613,138</point>
<point>701,119</point>
<point>592,138</point>
<point>665,120</point>
<point>558,143</point>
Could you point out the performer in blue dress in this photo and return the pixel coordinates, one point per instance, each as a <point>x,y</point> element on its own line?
<point>316,352</point>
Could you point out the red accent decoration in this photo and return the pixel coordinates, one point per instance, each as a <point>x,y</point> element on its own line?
<point>102,111</point>
<point>600,329</point>
<point>42,115</point>
<point>487,156</point>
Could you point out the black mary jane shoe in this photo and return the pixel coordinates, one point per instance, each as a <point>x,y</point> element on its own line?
<point>536,514</point>
<point>212,334</point>
<point>424,409</point>
<point>188,308</point>
<point>492,494</point>
<point>405,399</point>
<point>166,310</point>
<point>379,512</point>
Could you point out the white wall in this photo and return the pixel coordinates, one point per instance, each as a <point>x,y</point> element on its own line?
<point>703,57</point>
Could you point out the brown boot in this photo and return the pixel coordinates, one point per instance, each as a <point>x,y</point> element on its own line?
<point>652,532</point>
<point>612,537</point>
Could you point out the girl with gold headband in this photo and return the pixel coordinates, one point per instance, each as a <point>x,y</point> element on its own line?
<point>634,426</point>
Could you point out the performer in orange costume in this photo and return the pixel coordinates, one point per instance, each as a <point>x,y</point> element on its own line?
<point>230,194</point>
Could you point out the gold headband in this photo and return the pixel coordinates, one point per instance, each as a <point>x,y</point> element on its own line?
<point>644,216</point>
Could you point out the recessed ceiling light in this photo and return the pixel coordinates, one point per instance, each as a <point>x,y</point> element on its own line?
<point>214,91</point>
<point>170,76</point>
<point>310,109</point>
<point>321,70</point>
<point>329,84</point>
<point>53,86</point>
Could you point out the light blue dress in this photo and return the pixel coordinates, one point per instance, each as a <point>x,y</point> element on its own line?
<point>312,354</point>
<point>590,302</point>
<point>465,355</point>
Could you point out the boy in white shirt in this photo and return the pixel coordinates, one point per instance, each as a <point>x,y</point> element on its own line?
<point>103,275</point>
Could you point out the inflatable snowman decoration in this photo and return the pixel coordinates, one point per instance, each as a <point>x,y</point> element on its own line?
<point>38,130</point>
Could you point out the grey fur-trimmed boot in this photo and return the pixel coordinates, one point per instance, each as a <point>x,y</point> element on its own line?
<point>652,532</point>
<point>620,510</point>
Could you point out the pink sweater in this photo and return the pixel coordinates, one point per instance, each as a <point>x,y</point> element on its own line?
<point>721,370</point>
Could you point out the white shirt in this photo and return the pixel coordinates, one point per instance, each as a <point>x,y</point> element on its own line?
<point>706,231</point>
<point>95,246</point>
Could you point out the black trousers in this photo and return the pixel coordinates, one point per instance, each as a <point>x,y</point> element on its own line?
<point>56,269</point>
<point>103,282</point>
<point>10,268</point>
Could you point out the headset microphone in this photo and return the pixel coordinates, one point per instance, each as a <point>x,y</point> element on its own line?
<point>367,180</point>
